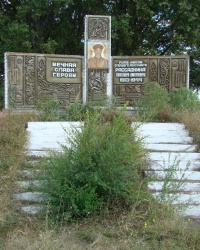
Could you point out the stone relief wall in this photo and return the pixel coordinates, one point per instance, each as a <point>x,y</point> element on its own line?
<point>31,76</point>
<point>28,77</point>
<point>130,73</point>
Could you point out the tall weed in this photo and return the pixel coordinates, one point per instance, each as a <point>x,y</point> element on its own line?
<point>48,108</point>
<point>184,98</point>
<point>153,104</point>
<point>77,111</point>
<point>99,171</point>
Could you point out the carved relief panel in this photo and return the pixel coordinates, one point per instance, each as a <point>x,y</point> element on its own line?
<point>130,74</point>
<point>31,76</point>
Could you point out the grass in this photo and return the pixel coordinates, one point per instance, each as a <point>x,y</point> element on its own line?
<point>148,225</point>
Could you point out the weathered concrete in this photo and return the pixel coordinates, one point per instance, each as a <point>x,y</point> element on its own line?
<point>171,153</point>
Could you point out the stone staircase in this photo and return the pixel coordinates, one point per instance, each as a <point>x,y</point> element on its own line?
<point>174,163</point>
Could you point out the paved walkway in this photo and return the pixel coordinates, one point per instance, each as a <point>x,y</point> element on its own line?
<point>174,163</point>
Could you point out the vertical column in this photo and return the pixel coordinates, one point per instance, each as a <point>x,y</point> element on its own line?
<point>98,68</point>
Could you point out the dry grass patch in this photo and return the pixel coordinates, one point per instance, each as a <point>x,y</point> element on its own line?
<point>12,147</point>
<point>192,123</point>
<point>137,229</point>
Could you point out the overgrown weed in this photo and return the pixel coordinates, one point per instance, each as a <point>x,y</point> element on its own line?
<point>100,169</point>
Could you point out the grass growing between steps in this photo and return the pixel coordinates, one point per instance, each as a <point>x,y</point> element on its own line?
<point>12,147</point>
<point>147,225</point>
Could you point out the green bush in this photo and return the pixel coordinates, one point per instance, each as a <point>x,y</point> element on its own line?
<point>153,104</point>
<point>48,108</point>
<point>98,172</point>
<point>77,111</point>
<point>184,98</point>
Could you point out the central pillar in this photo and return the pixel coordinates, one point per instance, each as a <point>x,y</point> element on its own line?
<point>98,75</point>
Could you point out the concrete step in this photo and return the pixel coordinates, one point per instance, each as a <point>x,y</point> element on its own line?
<point>157,186</point>
<point>30,196</point>
<point>180,198</point>
<point>31,164</point>
<point>174,157</point>
<point>38,154</point>
<point>182,165</point>
<point>162,147</point>
<point>31,174</point>
<point>192,176</point>
<point>49,135</point>
<point>170,148</point>
<point>39,126</point>
<point>31,184</point>
<point>191,211</point>
<point>32,209</point>
<point>167,133</point>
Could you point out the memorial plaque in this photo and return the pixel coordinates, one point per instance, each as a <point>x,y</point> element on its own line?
<point>130,74</point>
<point>31,76</point>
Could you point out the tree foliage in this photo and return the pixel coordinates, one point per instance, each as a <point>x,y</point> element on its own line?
<point>139,27</point>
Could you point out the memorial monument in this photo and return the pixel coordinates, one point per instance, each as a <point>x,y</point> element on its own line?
<point>28,77</point>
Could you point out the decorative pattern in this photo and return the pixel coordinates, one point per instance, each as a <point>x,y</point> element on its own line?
<point>96,83</point>
<point>98,28</point>
<point>153,72</point>
<point>15,81</point>
<point>127,93</point>
<point>179,73</point>
<point>164,73</point>
<point>169,72</point>
<point>64,92</point>
<point>30,80</point>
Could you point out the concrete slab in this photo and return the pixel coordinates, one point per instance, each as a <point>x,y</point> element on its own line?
<point>191,211</point>
<point>182,165</point>
<point>38,153</point>
<point>49,125</point>
<point>177,175</point>
<point>29,184</point>
<point>170,144</point>
<point>32,209</point>
<point>180,198</point>
<point>185,187</point>
<point>30,196</point>
<point>30,174</point>
<point>49,135</point>
<point>163,133</point>
<point>161,147</point>
<point>168,139</point>
<point>174,157</point>
<point>160,132</point>
<point>160,126</point>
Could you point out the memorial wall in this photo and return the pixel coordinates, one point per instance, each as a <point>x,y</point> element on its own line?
<point>28,77</point>
<point>130,74</point>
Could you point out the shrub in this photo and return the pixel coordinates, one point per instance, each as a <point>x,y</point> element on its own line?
<point>153,104</point>
<point>184,98</point>
<point>48,108</point>
<point>78,111</point>
<point>98,172</point>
